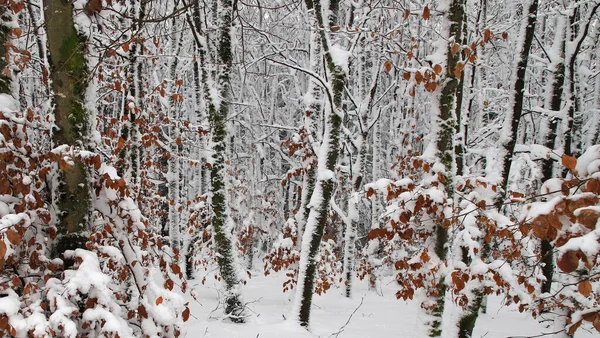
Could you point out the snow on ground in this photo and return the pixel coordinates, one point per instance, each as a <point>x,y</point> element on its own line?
<point>379,316</point>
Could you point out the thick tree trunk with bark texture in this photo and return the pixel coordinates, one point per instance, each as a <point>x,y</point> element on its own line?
<point>69,76</point>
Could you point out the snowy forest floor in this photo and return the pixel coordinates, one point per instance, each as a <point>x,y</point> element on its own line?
<point>380,315</point>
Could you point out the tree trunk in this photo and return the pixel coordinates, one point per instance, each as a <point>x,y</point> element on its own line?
<point>357,178</point>
<point>446,151</point>
<point>218,109</point>
<point>69,76</point>
<point>311,117</point>
<point>222,222</point>
<point>513,117</point>
<point>554,105</point>
<point>326,161</point>
<point>5,81</point>
<point>574,118</point>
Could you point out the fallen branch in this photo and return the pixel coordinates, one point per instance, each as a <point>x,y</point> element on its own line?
<point>337,333</point>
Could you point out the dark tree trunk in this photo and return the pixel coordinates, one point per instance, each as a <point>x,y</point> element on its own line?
<point>513,117</point>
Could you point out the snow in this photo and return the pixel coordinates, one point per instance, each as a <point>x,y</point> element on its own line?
<point>8,104</point>
<point>340,56</point>
<point>110,170</point>
<point>378,316</point>
<point>589,162</point>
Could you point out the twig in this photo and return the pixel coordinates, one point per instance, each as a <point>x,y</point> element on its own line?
<point>336,334</point>
<point>539,335</point>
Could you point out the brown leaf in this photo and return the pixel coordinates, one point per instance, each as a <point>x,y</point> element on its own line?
<point>13,237</point>
<point>569,162</point>
<point>93,7</point>
<point>142,311</point>
<point>17,6</point>
<point>388,66</point>
<point>426,13</point>
<point>593,186</point>
<point>169,284</point>
<point>574,328</point>
<point>437,68</point>
<point>17,32</point>
<point>588,218</point>
<point>568,262</point>
<point>455,48</point>
<point>487,35</point>
<point>186,314</point>
<point>585,288</point>
<point>159,300</point>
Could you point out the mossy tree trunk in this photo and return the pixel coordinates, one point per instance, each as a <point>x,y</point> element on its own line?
<point>69,76</point>
<point>218,111</point>
<point>326,161</point>
<point>311,117</point>
<point>447,128</point>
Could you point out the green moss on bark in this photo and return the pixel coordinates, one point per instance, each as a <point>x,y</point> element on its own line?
<point>69,76</point>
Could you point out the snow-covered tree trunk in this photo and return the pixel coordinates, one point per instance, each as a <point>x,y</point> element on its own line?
<point>314,107</point>
<point>513,116</point>
<point>218,108</point>
<point>69,82</point>
<point>327,156</point>
<point>554,104</point>
<point>174,166</point>
<point>573,140</point>
<point>358,168</point>
<point>445,131</point>
<point>373,249</point>
<point>5,81</point>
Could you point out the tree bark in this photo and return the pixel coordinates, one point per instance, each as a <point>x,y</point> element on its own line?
<point>446,151</point>
<point>324,186</point>
<point>69,76</point>
<point>218,110</point>
<point>513,117</point>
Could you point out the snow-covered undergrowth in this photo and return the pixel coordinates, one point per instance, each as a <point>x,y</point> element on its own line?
<point>374,314</point>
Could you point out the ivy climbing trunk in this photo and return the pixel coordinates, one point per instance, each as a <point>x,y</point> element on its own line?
<point>314,108</point>
<point>218,110</point>
<point>327,157</point>
<point>69,76</point>
<point>447,128</point>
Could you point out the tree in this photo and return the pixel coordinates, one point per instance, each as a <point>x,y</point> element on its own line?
<point>218,109</point>
<point>69,82</point>
<point>327,156</point>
